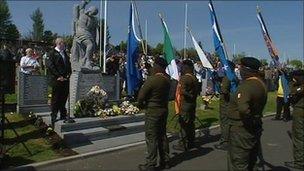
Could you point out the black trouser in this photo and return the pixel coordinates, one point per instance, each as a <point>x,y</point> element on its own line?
<point>281,104</point>
<point>243,149</point>
<point>60,92</point>
<point>156,138</point>
<point>187,132</point>
<point>187,126</point>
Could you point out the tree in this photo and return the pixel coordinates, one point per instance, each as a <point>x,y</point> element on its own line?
<point>296,63</point>
<point>8,30</point>
<point>121,47</point>
<point>158,50</point>
<point>190,53</point>
<point>49,37</point>
<point>38,25</point>
<point>68,39</point>
<point>238,57</point>
<point>264,62</point>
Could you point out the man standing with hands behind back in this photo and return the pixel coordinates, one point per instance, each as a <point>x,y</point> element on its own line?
<point>59,67</point>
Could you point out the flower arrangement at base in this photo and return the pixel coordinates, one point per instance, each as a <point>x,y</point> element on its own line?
<point>95,100</point>
<point>95,103</point>
<point>128,108</point>
<point>125,108</point>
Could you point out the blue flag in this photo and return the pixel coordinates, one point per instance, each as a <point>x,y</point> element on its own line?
<point>132,71</point>
<point>220,49</point>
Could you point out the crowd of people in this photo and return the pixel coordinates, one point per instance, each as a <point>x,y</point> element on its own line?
<point>240,109</point>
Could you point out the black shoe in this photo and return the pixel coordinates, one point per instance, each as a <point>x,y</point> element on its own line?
<point>179,147</point>
<point>69,120</point>
<point>295,165</point>
<point>222,146</point>
<point>191,146</point>
<point>145,167</point>
<point>286,119</point>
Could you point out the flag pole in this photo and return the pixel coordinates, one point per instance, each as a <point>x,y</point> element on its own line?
<point>146,35</point>
<point>104,36</point>
<point>220,34</point>
<point>185,30</point>
<point>139,28</point>
<point>100,33</point>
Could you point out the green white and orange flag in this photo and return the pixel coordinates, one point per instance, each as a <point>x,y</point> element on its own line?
<point>169,52</point>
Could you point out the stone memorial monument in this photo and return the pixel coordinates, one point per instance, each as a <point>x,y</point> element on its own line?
<point>32,93</point>
<point>86,74</point>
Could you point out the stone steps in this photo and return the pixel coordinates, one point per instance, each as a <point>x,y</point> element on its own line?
<point>87,134</point>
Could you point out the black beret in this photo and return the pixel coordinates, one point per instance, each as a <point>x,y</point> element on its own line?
<point>251,62</point>
<point>298,72</point>
<point>161,62</point>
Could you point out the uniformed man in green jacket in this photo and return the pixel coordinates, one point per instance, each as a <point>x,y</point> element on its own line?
<point>224,101</point>
<point>245,113</point>
<point>297,101</point>
<point>153,96</point>
<point>188,93</point>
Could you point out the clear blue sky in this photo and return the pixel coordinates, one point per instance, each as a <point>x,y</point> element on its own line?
<point>237,20</point>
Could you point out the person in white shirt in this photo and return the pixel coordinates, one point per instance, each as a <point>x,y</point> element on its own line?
<point>28,64</point>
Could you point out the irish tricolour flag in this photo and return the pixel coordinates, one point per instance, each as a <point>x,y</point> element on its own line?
<point>169,53</point>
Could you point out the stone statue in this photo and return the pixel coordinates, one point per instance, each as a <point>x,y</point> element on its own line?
<point>85,28</point>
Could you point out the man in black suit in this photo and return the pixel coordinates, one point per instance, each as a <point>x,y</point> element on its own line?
<point>59,67</point>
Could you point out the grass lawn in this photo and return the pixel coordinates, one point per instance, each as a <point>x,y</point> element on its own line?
<point>41,146</point>
<point>11,98</point>
<point>210,116</point>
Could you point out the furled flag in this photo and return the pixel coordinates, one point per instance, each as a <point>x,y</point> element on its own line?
<point>169,53</point>
<point>200,52</point>
<point>273,52</point>
<point>132,71</point>
<point>271,48</point>
<point>220,49</point>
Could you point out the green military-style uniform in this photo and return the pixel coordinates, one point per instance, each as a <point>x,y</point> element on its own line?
<point>297,101</point>
<point>189,92</point>
<point>224,100</point>
<point>154,95</point>
<point>245,113</point>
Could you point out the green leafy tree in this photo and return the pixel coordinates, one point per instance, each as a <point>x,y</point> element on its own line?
<point>296,63</point>
<point>8,30</point>
<point>264,62</point>
<point>238,57</point>
<point>49,37</point>
<point>68,39</point>
<point>121,47</point>
<point>158,50</point>
<point>38,25</point>
<point>190,53</point>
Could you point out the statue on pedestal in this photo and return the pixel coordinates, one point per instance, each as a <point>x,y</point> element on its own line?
<point>85,28</point>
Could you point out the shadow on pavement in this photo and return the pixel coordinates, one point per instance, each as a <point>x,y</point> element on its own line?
<point>188,155</point>
<point>271,167</point>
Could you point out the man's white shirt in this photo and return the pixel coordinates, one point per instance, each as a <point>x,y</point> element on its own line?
<point>61,53</point>
<point>28,61</point>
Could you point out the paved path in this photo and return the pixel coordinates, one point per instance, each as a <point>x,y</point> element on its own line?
<point>277,148</point>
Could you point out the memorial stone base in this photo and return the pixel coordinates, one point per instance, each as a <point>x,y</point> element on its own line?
<point>82,81</point>
<point>32,93</point>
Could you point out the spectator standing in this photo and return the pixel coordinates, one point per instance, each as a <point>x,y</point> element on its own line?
<point>29,64</point>
<point>59,68</point>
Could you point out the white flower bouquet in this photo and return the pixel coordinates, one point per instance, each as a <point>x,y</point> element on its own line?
<point>95,100</point>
